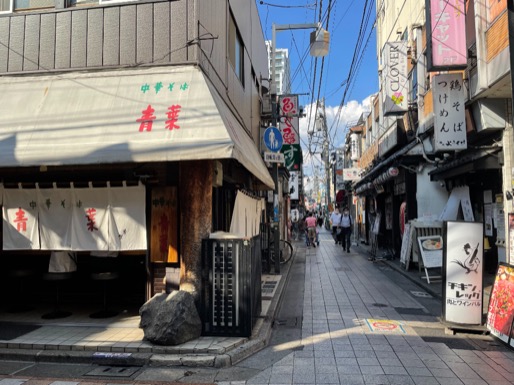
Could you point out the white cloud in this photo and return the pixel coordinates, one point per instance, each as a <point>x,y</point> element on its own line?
<point>312,144</point>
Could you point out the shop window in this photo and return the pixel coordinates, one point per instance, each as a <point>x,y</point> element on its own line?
<point>235,49</point>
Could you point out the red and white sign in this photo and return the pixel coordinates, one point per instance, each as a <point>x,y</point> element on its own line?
<point>289,121</point>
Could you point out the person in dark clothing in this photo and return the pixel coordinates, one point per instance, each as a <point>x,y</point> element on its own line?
<point>346,226</point>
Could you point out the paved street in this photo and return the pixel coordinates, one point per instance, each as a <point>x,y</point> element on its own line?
<point>343,320</point>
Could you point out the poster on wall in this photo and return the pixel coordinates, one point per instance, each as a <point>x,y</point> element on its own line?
<point>501,304</point>
<point>463,272</point>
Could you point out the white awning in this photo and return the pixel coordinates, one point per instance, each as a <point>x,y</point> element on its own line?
<point>142,115</point>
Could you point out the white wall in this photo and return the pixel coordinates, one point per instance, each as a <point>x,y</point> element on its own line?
<point>431,196</point>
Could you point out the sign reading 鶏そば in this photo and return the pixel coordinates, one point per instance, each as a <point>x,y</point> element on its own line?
<point>395,77</point>
<point>463,272</point>
<point>449,112</point>
<point>446,34</point>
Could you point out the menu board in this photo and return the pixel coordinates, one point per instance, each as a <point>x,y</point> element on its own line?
<point>406,246</point>
<point>501,305</point>
<point>431,248</point>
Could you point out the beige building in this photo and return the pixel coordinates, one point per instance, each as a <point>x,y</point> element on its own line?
<point>100,95</point>
<point>407,173</point>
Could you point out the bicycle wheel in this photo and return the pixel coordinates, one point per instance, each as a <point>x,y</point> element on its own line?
<point>286,251</point>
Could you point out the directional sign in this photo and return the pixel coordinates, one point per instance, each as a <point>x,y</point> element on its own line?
<point>273,139</point>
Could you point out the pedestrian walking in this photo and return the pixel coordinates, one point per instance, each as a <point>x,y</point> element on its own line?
<point>346,224</point>
<point>310,223</point>
<point>335,220</point>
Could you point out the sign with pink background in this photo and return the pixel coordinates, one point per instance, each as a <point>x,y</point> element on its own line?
<point>447,34</point>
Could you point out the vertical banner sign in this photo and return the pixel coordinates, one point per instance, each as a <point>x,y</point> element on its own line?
<point>463,272</point>
<point>292,156</point>
<point>501,304</point>
<point>449,112</point>
<point>293,185</point>
<point>164,235</point>
<point>446,35</point>
<point>289,121</point>
<point>339,170</point>
<point>395,78</point>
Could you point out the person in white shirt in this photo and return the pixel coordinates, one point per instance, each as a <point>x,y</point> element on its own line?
<point>335,220</point>
<point>346,227</point>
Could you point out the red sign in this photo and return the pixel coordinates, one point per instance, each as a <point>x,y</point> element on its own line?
<point>501,304</point>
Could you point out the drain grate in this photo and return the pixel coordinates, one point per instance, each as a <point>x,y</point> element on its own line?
<point>420,294</point>
<point>292,322</point>
<point>376,304</point>
<point>112,371</point>
<point>411,310</point>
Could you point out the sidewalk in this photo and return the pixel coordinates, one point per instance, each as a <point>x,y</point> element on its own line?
<point>119,340</point>
<point>359,326</point>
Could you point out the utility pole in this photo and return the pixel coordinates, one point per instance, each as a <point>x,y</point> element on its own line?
<point>326,150</point>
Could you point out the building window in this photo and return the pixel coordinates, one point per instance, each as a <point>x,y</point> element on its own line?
<point>5,6</point>
<point>113,1</point>
<point>235,49</point>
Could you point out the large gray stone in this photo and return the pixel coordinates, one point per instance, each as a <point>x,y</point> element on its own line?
<point>170,319</point>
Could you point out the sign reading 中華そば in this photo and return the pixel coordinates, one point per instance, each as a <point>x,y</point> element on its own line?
<point>449,112</point>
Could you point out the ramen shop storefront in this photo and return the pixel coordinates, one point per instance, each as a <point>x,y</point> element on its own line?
<point>149,124</point>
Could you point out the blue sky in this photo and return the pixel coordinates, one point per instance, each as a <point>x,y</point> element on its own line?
<point>344,25</point>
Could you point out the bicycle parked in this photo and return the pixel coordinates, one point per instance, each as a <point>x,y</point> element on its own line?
<point>285,249</point>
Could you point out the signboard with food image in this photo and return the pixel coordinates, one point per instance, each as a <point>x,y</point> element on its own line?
<point>501,304</point>
<point>431,248</point>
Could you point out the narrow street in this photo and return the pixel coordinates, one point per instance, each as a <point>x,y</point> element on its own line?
<point>342,320</point>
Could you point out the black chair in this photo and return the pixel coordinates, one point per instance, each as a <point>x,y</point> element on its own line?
<point>105,277</point>
<point>57,279</point>
<point>21,301</point>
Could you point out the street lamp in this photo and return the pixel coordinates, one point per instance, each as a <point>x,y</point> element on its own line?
<point>319,40</point>
<point>319,47</point>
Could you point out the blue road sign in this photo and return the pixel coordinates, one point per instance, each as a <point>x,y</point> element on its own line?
<point>273,139</point>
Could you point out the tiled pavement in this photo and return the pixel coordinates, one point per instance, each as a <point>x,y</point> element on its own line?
<point>354,331</point>
<point>345,295</point>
